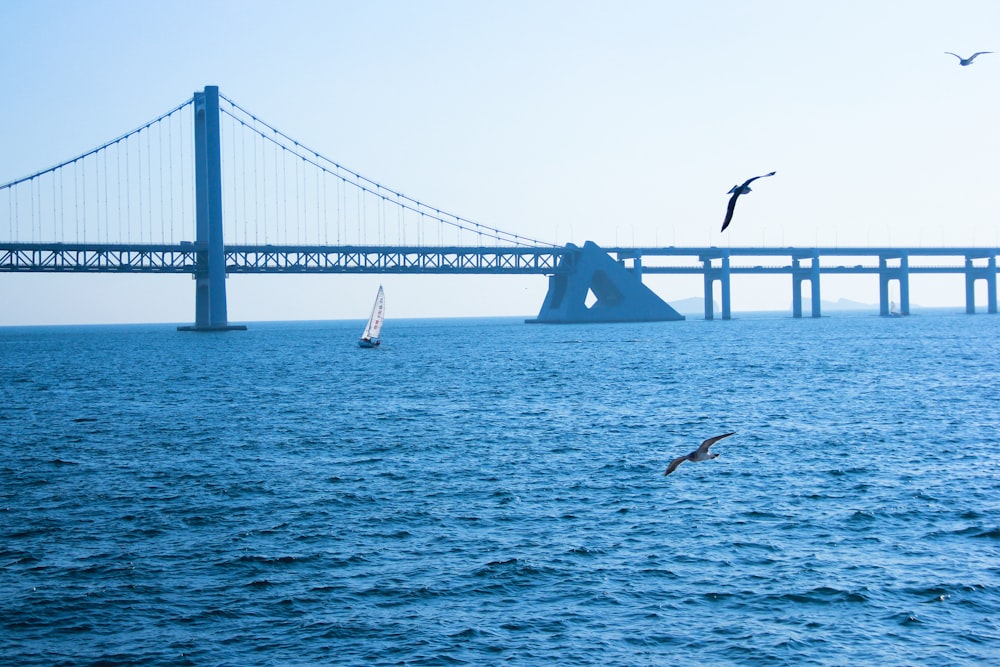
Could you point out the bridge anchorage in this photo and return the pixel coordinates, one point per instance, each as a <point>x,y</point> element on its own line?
<point>288,209</point>
<point>619,294</point>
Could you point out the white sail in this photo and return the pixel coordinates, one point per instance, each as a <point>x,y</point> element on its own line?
<point>374,326</point>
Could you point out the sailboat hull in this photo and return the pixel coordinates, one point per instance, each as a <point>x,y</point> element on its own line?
<point>364,342</point>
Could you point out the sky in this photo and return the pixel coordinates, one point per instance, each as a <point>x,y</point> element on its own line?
<point>622,123</point>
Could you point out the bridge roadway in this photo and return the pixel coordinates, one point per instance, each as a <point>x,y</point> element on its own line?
<point>714,263</point>
<point>183,258</point>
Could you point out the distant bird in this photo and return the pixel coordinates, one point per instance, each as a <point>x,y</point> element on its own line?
<point>736,192</point>
<point>700,454</point>
<point>965,62</point>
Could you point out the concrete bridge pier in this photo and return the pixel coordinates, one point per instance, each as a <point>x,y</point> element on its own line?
<point>721,274</point>
<point>987,273</point>
<point>800,274</point>
<point>886,274</point>
<point>991,285</point>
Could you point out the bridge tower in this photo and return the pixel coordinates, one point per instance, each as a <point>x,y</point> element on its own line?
<point>210,263</point>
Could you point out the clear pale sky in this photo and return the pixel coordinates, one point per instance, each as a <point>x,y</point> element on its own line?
<point>618,122</point>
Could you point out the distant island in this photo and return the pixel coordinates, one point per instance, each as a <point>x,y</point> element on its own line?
<point>840,304</point>
<point>695,305</point>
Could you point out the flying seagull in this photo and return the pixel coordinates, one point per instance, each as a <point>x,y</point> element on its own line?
<point>700,454</point>
<point>736,192</point>
<point>965,62</point>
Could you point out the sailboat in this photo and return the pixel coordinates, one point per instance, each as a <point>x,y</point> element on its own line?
<point>370,337</point>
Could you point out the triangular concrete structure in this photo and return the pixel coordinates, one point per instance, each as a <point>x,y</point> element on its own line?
<point>619,292</point>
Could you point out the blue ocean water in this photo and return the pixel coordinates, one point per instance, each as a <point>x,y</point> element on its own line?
<point>486,492</point>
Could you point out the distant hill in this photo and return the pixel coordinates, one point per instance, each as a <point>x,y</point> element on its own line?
<point>695,305</point>
<point>840,304</point>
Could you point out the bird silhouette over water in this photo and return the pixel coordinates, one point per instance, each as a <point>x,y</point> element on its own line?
<point>700,454</point>
<point>736,192</point>
<point>965,62</point>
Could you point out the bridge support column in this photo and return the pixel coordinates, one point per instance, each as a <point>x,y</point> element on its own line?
<point>726,293</point>
<point>991,285</point>
<point>987,273</point>
<point>210,265</point>
<point>970,287</point>
<point>799,275</point>
<point>723,275</point>
<point>886,274</point>
<point>796,290</point>
<point>814,285</point>
<point>904,285</point>
<point>709,284</point>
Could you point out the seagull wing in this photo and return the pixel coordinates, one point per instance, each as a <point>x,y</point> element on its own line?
<point>703,448</point>
<point>978,53</point>
<point>673,464</point>
<point>737,191</point>
<point>954,54</point>
<point>730,209</point>
<point>751,180</point>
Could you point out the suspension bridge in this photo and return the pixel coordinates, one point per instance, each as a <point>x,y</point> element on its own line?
<point>209,189</point>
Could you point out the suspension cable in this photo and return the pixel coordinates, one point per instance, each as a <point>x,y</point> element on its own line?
<point>102,146</point>
<point>367,184</point>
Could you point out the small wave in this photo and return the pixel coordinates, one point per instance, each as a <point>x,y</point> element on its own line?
<point>758,514</point>
<point>908,619</point>
<point>584,551</point>
<point>274,560</point>
<point>27,559</point>
<point>843,472</point>
<point>932,595</point>
<point>394,535</point>
<point>822,595</point>
<point>993,533</point>
<point>757,546</point>
<point>472,633</point>
<point>260,583</point>
<point>969,531</point>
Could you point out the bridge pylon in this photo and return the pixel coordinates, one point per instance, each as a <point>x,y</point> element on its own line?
<point>210,262</point>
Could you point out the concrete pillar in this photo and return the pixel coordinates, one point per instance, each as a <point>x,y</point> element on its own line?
<point>884,276</point>
<point>814,284</point>
<point>709,303</point>
<point>904,285</point>
<point>970,287</point>
<point>991,285</point>
<point>796,289</point>
<point>726,303</point>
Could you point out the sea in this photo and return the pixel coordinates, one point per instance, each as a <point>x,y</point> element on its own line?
<point>488,492</point>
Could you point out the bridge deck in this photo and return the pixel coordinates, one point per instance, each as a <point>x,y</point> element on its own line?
<point>183,258</point>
